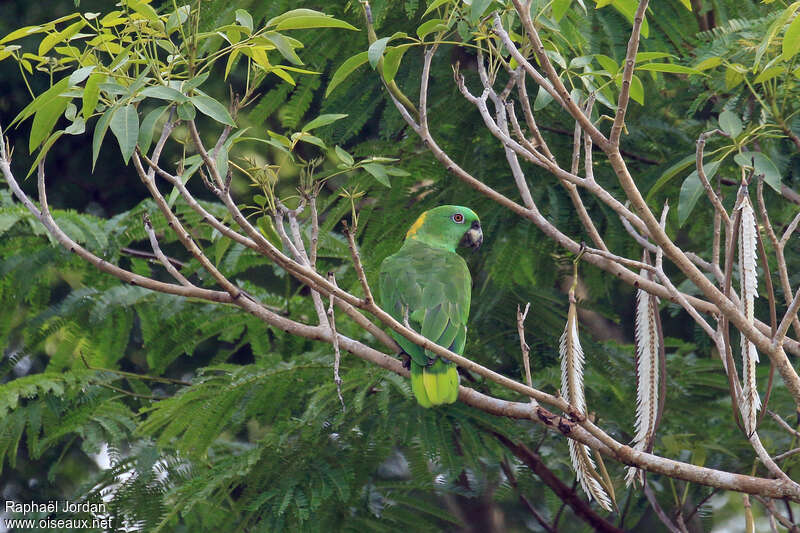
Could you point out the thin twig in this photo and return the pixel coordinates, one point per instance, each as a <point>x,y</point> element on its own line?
<point>524,348</point>
<point>160,255</point>
<point>337,355</point>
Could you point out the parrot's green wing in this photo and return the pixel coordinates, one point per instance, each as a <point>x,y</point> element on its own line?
<point>433,287</point>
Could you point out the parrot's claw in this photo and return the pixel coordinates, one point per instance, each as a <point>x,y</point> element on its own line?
<point>406,360</point>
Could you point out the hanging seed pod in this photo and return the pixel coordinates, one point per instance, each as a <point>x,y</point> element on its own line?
<point>748,283</point>
<point>647,350</point>
<point>572,391</point>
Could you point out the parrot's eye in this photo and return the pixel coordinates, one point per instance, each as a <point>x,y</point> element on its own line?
<point>458,218</point>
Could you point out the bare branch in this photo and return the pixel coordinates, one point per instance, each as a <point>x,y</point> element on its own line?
<point>627,74</point>
<point>160,255</point>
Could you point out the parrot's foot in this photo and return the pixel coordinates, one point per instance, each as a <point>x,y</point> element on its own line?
<point>406,360</point>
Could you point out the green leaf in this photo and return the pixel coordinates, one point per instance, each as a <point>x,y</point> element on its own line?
<point>607,63</point>
<point>650,56</point>
<point>164,93</point>
<point>42,100</point>
<point>147,127</point>
<point>100,132</point>
<point>769,73</point>
<point>125,127</point>
<point>292,14</point>
<point>637,90</point>
<point>222,161</point>
<point>376,51</point>
<point>791,40</point>
<point>345,70</point>
<point>313,21</point>
<point>45,120</point>
<point>391,62</point>
<point>322,120</point>
<point>77,127</point>
<point>708,63</point>
<point>284,47</point>
<point>478,7</point>
<point>80,74</point>
<point>763,166</point>
<point>23,32</point>
<point>692,190</point>
<point>346,158</point>
<point>542,99</point>
<point>668,67</point>
<point>430,26</point>
<point>378,172</point>
<point>670,173</point>
<point>730,123</point>
<point>560,8</point>
<point>244,19</point>
<point>212,108</point>
<point>186,111</point>
<point>195,82</point>
<point>143,9</point>
<point>433,5</point>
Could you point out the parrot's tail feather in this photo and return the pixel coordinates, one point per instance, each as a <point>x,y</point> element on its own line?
<point>417,385</point>
<point>435,384</point>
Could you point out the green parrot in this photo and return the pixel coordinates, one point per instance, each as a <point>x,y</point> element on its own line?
<point>428,283</point>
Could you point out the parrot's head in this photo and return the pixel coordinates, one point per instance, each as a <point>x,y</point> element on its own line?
<point>447,226</point>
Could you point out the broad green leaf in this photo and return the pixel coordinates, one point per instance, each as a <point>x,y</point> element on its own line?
<point>186,111</point>
<point>78,127</point>
<point>282,74</point>
<point>346,158</point>
<point>59,37</point>
<point>45,119</point>
<point>430,26</point>
<point>763,166</point>
<point>147,127</point>
<point>79,75</point>
<point>284,47</point>
<point>125,127</point>
<point>708,63</point>
<point>433,5</point>
<point>195,82</point>
<point>313,21</point>
<point>42,100</point>
<point>650,56</point>
<point>163,92</point>
<point>23,32</point>
<point>143,9</point>
<point>773,30</point>
<point>692,190</point>
<point>668,67</point>
<point>212,108</point>
<point>769,73</point>
<point>311,139</point>
<point>221,161</point>
<point>637,90</point>
<point>392,59</point>
<point>376,51</point>
<point>733,77</point>
<point>478,8</point>
<point>607,63</point>
<point>322,120</point>
<point>100,132</point>
<point>730,123</point>
<point>345,70</point>
<point>378,172</point>
<point>628,10</point>
<point>542,99</point>
<point>670,173</point>
<point>791,40</point>
<point>560,8</point>
<point>244,19</point>
<point>293,14</point>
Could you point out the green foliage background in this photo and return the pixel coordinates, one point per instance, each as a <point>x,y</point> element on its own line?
<point>258,441</point>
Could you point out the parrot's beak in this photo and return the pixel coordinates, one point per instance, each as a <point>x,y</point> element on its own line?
<point>474,236</point>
